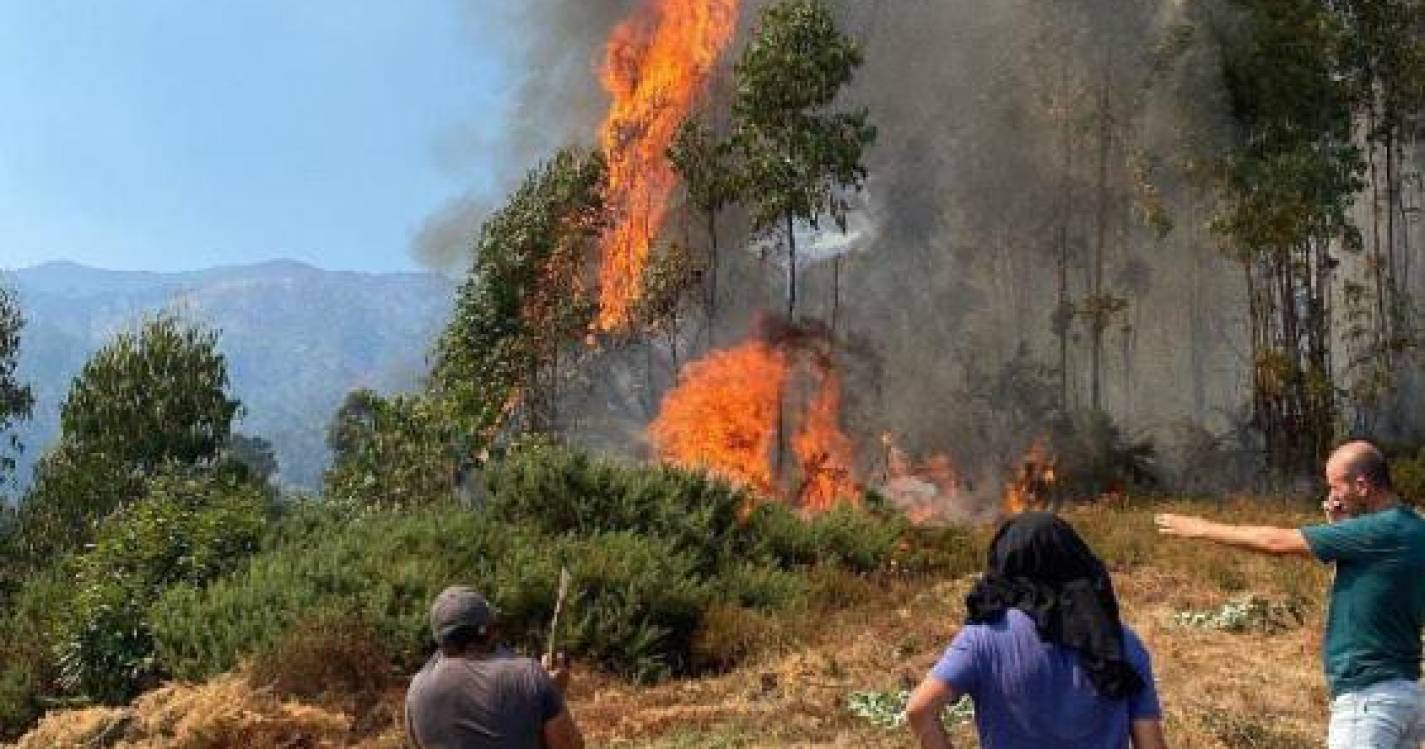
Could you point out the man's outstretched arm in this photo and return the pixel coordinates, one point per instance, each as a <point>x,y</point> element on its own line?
<point>1255,537</point>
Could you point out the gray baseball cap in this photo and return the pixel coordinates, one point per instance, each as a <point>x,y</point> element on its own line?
<point>456,607</point>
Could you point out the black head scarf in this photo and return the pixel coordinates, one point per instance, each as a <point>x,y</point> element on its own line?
<point>1039,565</point>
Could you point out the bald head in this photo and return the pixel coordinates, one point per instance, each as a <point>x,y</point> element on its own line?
<point>1361,459</point>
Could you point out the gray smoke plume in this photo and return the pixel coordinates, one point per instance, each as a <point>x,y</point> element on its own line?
<point>553,48</point>
<point>1013,136</point>
<point>1007,131</point>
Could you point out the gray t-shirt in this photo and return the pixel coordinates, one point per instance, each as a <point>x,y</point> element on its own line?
<point>492,702</point>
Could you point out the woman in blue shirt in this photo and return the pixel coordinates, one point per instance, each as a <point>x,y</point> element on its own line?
<point>1043,655</point>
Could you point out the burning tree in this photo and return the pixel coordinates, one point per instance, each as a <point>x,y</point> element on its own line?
<point>798,158</point>
<point>656,64</point>
<point>704,163</point>
<point>668,279</point>
<point>725,416</point>
<point>524,299</point>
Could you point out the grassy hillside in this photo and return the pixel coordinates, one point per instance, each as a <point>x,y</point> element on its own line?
<point>1230,676</point>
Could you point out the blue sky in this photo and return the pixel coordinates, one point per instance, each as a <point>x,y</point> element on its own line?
<point>173,134</point>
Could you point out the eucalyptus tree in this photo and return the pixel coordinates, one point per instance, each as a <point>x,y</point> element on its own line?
<point>799,158</point>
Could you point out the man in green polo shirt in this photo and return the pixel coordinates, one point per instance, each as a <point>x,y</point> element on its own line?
<point>1377,606</point>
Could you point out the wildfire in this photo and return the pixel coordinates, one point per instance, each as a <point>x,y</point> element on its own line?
<point>1033,483</point>
<point>722,416</point>
<point>725,412</point>
<point>823,451</point>
<point>655,65</point>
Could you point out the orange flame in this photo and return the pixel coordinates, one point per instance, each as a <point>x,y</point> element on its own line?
<point>823,451</point>
<point>656,63</point>
<point>1033,482</point>
<point>722,416</point>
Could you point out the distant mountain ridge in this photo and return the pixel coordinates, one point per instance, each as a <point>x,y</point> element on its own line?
<point>297,339</point>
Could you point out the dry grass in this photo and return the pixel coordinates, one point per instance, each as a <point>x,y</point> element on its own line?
<point>1219,689</point>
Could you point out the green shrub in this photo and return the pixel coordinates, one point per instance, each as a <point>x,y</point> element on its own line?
<point>562,492</point>
<point>27,665</point>
<point>391,452</point>
<point>649,549</point>
<point>637,599</point>
<point>846,536</point>
<point>186,529</point>
<point>950,550</point>
<point>385,566</point>
<point>759,586</point>
<point>639,603</point>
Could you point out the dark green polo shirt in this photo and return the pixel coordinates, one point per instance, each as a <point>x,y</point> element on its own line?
<point>1377,604</point>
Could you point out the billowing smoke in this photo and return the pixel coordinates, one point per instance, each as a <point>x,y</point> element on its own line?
<point>552,48</point>
<point>1024,147</point>
<point>1015,135</point>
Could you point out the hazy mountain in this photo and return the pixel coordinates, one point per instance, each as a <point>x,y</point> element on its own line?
<point>297,339</point>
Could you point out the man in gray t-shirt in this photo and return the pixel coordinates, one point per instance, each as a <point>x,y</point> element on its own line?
<point>472,696</point>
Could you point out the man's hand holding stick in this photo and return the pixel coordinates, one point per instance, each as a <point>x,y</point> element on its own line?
<point>557,663</point>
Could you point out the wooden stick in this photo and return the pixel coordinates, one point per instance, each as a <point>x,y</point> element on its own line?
<point>564,579</point>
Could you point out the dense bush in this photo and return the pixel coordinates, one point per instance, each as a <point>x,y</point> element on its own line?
<point>391,452</point>
<point>27,667</point>
<point>184,530</point>
<point>637,604</point>
<point>383,566</point>
<point>845,536</point>
<point>73,490</point>
<point>562,491</point>
<point>649,550</point>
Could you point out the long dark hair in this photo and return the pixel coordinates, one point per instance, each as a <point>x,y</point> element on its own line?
<point>1038,564</point>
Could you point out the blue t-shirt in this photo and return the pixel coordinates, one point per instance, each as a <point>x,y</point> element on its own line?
<point>1377,600</point>
<point>1030,694</point>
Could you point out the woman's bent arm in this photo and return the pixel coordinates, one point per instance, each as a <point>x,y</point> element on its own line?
<point>923,711</point>
<point>1148,734</point>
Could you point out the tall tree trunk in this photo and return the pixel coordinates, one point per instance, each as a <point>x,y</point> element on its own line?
<point>1408,150</point>
<point>1097,322</point>
<point>1063,318</point>
<point>791,271</point>
<point>1197,324</point>
<point>1063,312</point>
<point>712,278</point>
<point>1390,199</point>
<point>673,341</point>
<point>1377,257</point>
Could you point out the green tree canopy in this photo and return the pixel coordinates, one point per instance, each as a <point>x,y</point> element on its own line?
<point>799,159</point>
<point>395,452</point>
<point>151,396</point>
<point>16,398</point>
<point>524,296</point>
